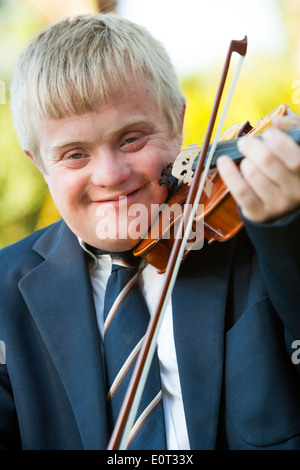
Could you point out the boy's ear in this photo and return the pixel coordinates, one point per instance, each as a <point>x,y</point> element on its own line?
<point>39,165</point>
<point>30,156</point>
<point>180,124</point>
<point>181,120</point>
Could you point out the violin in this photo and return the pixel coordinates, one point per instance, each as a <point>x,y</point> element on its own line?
<point>206,187</point>
<point>220,215</point>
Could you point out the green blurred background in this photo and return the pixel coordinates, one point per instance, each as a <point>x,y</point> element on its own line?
<point>267,80</point>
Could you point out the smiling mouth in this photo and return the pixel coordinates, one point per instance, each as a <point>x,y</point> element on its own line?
<point>119,197</point>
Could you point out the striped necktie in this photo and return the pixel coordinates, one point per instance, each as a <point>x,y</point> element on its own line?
<point>126,319</point>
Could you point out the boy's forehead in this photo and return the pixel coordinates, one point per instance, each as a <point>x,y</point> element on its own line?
<point>75,102</point>
<point>134,96</point>
<point>133,111</point>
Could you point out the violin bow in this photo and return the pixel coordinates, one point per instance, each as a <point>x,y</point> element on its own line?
<point>120,436</point>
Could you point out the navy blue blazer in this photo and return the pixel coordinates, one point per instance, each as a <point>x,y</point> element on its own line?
<point>236,316</point>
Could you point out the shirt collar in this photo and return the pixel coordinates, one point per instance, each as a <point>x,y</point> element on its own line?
<point>93,259</point>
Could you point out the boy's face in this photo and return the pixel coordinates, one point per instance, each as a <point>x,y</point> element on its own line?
<point>103,168</point>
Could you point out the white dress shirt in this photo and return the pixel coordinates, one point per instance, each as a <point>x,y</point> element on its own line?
<point>151,284</point>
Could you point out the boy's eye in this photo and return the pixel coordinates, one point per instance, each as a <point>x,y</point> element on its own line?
<point>133,143</point>
<point>76,159</point>
<point>129,140</point>
<point>76,156</point>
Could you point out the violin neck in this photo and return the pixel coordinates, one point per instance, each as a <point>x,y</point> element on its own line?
<point>229,147</point>
<point>295,134</point>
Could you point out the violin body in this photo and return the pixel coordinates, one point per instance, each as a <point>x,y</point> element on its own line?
<point>221,220</point>
<point>219,212</point>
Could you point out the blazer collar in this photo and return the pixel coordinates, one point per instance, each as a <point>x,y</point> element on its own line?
<point>199,304</point>
<point>59,296</point>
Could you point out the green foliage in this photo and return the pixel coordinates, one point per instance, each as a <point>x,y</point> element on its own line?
<point>22,188</point>
<point>264,84</point>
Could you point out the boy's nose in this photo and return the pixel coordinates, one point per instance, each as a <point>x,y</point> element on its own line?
<point>110,169</point>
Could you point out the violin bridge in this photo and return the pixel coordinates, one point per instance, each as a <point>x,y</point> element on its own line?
<point>183,165</point>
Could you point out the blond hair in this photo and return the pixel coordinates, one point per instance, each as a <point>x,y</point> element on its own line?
<point>78,60</point>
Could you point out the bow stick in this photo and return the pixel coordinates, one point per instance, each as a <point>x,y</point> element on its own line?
<point>125,421</point>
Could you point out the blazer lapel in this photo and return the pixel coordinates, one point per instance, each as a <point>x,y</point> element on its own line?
<point>59,296</point>
<point>199,304</point>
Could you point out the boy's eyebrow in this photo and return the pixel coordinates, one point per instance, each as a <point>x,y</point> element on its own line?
<point>64,145</point>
